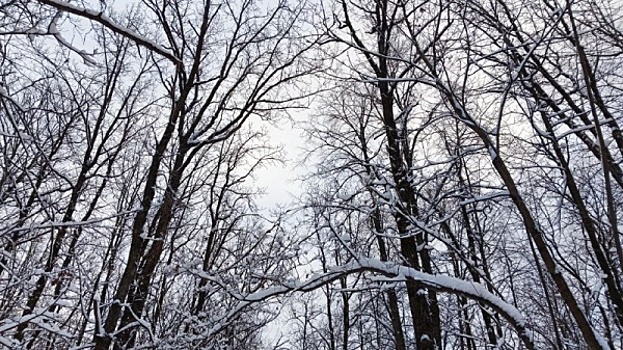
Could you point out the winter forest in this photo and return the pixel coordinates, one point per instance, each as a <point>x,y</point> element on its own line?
<point>458,185</point>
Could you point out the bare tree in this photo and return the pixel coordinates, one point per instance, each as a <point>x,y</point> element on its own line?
<point>466,173</point>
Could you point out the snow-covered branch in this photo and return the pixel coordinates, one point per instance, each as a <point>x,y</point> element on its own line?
<point>439,283</point>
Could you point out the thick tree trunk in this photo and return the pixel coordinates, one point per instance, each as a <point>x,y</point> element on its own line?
<point>137,300</point>
<point>103,341</point>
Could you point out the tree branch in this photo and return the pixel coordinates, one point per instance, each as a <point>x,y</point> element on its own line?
<point>107,22</point>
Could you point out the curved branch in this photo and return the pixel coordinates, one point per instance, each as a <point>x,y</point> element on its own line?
<point>439,283</point>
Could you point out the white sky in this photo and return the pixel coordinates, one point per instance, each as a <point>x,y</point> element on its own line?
<point>280,181</point>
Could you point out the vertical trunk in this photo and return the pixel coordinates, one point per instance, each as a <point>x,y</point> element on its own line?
<point>330,327</point>
<point>345,315</point>
<point>103,341</point>
<point>392,298</point>
<point>535,233</point>
<point>152,258</point>
<point>467,338</point>
<point>137,245</point>
<point>471,243</point>
<point>423,304</point>
<point>202,295</point>
<point>377,226</point>
<point>594,100</point>
<point>55,250</point>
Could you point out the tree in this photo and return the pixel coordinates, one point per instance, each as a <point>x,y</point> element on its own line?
<point>190,117</point>
<point>465,174</point>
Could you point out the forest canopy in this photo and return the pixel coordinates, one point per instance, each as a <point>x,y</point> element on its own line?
<point>459,185</point>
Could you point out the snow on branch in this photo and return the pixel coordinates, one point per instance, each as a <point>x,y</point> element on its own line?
<point>107,22</point>
<point>53,29</point>
<point>453,285</point>
<point>41,318</point>
<point>439,283</point>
